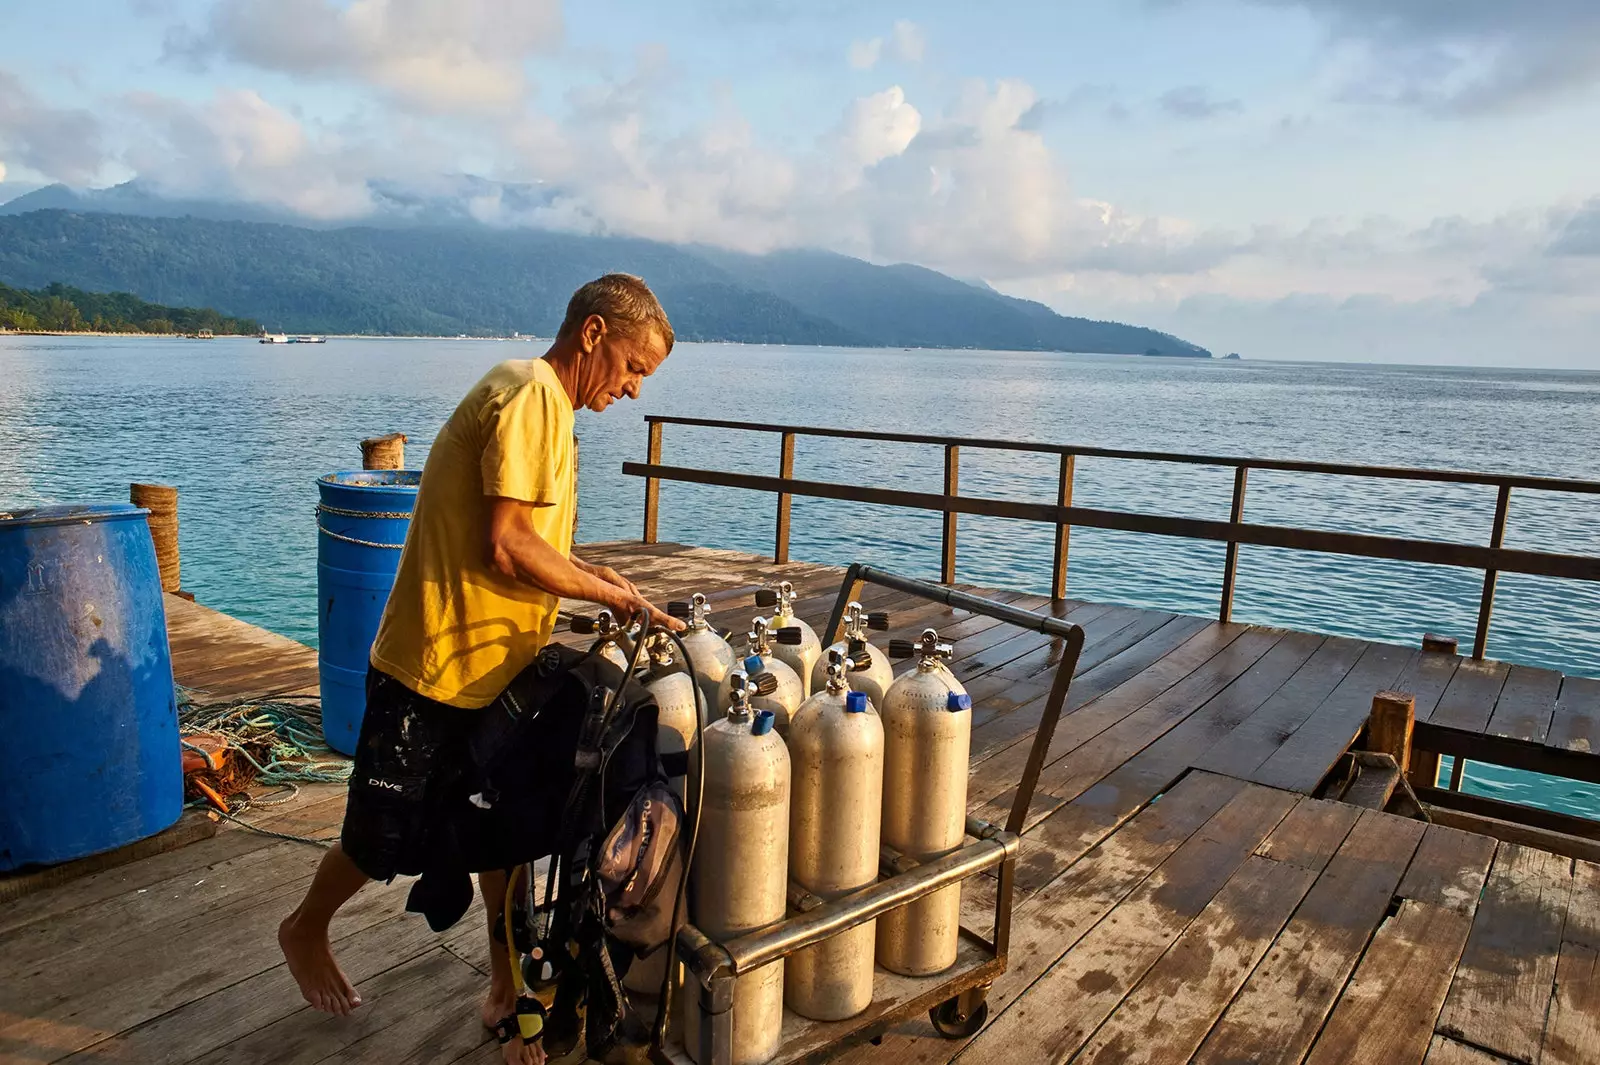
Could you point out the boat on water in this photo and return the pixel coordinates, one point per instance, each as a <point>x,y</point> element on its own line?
<point>274,338</point>
<point>308,340</point>
<point>204,334</point>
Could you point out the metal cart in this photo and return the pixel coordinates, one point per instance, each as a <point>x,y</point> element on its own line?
<point>955,998</point>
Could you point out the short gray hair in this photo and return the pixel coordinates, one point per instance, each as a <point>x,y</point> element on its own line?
<point>624,301</point>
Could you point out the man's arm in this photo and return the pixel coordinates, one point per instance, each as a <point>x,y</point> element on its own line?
<point>605,573</point>
<point>519,553</point>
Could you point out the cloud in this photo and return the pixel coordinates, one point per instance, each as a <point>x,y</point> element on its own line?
<point>909,41</point>
<point>863,55</point>
<point>60,144</point>
<point>1463,57</point>
<point>1195,102</point>
<point>463,56</point>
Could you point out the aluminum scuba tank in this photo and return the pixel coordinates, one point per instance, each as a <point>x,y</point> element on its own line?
<point>804,656</point>
<point>615,643</point>
<point>680,714</point>
<point>836,758</point>
<point>759,658</point>
<point>740,874</point>
<point>708,650</point>
<point>878,673</point>
<point>927,726</point>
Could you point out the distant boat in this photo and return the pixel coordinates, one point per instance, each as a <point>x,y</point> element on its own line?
<point>274,338</point>
<point>204,334</point>
<point>308,340</point>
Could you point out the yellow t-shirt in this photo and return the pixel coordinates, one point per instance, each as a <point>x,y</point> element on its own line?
<point>454,630</point>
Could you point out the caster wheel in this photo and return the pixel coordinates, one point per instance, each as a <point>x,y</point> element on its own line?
<point>948,1021</point>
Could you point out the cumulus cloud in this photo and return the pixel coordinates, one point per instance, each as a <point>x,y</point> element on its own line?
<point>1195,102</point>
<point>1464,56</point>
<point>462,56</point>
<point>909,41</point>
<point>60,144</point>
<point>863,55</point>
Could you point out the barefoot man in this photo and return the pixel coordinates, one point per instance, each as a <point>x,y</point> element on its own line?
<point>486,562</point>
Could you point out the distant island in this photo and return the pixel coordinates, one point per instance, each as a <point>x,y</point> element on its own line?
<point>1232,355</point>
<point>59,308</point>
<point>457,278</point>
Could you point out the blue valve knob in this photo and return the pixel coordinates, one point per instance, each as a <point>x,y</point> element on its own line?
<point>855,702</point>
<point>958,701</point>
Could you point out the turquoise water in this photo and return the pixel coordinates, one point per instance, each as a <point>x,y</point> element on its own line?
<point>243,429</point>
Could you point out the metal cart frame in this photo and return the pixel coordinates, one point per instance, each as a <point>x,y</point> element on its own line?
<point>955,998</point>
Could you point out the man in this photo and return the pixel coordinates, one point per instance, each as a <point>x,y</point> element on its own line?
<point>486,562</point>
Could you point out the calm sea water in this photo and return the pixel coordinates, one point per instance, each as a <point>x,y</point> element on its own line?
<point>243,430</point>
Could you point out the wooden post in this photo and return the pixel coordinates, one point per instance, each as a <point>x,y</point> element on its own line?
<point>952,477</point>
<point>1058,576</point>
<point>1230,564</point>
<point>384,452</point>
<point>780,548</point>
<point>652,485</point>
<point>1497,537</point>
<point>1439,644</point>
<point>1389,726</point>
<point>161,500</point>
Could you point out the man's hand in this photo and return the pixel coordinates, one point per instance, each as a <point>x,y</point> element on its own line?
<point>607,574</point>
<point>628,604</point>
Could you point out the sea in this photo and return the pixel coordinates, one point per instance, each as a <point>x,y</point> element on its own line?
<point>244,429</point>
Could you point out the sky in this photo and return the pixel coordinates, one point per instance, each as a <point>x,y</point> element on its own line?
<point>1395,180</point>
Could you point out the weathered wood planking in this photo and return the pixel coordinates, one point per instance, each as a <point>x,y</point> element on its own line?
<point>1572,1034</point>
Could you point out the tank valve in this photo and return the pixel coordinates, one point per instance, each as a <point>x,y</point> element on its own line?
<point>693,610</point>
<point>603,624</point>
<point>791,636</point>
<point>780,596</point>
<point>857,621</point>
<point>927,649</point>
<point>759,637</point>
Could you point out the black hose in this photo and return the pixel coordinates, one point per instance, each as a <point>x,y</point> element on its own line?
<point>664,998</point>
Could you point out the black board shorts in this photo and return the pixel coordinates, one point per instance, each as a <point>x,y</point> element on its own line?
<point>411,758</point>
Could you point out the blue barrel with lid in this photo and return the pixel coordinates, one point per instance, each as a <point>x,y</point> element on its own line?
<point>89,751</point>
<point>362,521</point>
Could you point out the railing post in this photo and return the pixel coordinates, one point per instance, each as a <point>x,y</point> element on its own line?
<point>1230,565</point>
<point>1497,537</point>
<point>952,477</point>
<point>780,548</point>
<point>652,485</point>
<point>1058,574</point>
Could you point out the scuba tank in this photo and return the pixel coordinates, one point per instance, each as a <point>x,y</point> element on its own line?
<point>680,715</point>
<point>615,643</point>
<point>803,656</point>
<point>708,650</point>
<point>740,874</point>
<point>927,731</point>
<point>759,658</point>
<point>836,751</point>
<point>875,677</point>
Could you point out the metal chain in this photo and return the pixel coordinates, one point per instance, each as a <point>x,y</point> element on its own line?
<point>352,540</point>
<point>324,508</point>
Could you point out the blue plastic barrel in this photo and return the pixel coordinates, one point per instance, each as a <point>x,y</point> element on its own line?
<point>361,527</point>
<point>89,750</point>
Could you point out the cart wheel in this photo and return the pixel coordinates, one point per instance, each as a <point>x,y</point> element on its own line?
<point>947,1019</point>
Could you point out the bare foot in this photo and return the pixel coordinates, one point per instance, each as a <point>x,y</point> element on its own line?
<point>500,1004</point>
<point>310,958</point>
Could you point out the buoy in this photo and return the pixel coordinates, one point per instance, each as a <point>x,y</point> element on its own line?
<point>927,727</point>
<point>802,655</point>
<point>708,649</point>
<point>740,875</point>
<point>878,674</point>
<point>836,752</point>
<point>785,699</point>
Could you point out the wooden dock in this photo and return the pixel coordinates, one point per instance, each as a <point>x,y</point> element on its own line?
<point>1182,896</point>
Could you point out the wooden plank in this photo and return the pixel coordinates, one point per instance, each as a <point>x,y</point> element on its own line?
<point>1252,741</point>
<point>1526,704</point>
<point>1507,973</point>
<point>1446,1051</point>
<point>1470,699</point>
<point>1425,679</point>
<point>1543,839</point>
<point>1575,726</point>
<point>1061,1009</point>
<point>1388,1008</point>
<point>1572,1035</point>
<point>1305,757</point>
<point>1281,1007</point>
<point>1183,994</point>
<point>1073,775</point>
<point>1377,776</point>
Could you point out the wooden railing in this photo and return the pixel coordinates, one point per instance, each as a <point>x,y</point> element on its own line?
<point>1492,559</point>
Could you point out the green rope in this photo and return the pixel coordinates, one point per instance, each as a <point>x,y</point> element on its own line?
<point>281,739</point>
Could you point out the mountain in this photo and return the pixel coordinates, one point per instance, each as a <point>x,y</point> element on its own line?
<point>61,308</point>
<point>467,278</point>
